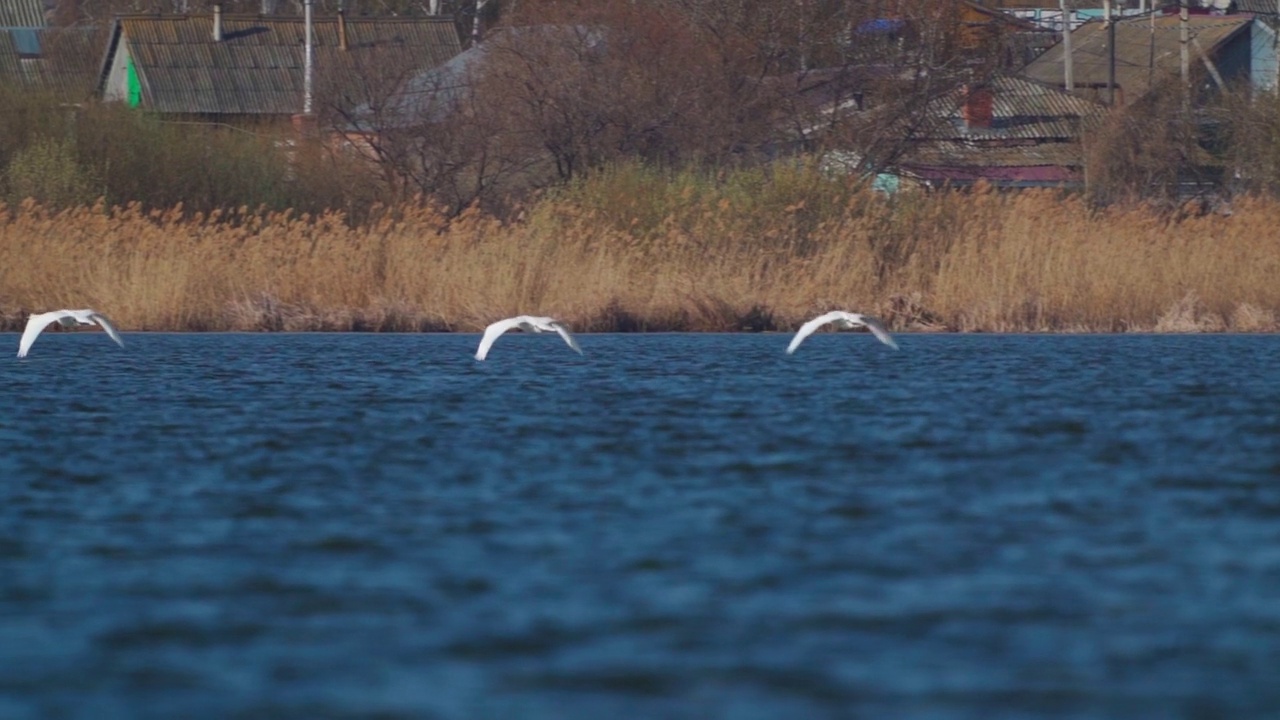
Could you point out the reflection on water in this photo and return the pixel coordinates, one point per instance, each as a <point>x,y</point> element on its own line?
<point>668,526</point>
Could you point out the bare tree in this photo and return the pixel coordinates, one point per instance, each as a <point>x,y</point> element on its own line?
<point>1145,150</point>
<point>424,132</point>
<point>615,79</point>
<point>1246,124</point>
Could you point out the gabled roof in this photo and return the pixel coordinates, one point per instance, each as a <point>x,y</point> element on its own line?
<point>60,60</point>
<point>433,93</point>
<point>1021,110</point>
<point>257,68</point>
<point>1033,136</point>
<point>22,14</point>
<point>1136,46</point>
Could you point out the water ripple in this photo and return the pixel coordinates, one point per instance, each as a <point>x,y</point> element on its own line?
<point>669,526</point>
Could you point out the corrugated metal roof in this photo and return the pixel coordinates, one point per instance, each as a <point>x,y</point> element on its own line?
<point>1032,125</point>
<point>1137,47</point>
<point>258,66</point>
<point>66,63</point>
<point>960,154</point>
<point>1012,176</point>
<point>1262,7</point>
<point>22,14</point>
<point>1021,110</point>
<point>1047,4</point>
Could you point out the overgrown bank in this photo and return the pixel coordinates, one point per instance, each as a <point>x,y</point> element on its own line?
<point>639,250</point>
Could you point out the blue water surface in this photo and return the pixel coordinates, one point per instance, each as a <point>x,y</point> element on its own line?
<point>669,526</point>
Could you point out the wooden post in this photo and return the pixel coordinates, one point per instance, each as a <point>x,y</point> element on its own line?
<point>1111,53</point>
<point>1183,33</point>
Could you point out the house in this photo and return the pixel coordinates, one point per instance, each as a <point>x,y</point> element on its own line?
<point>981,25</point>
<point>437,92</point>
<point>980,33</point>
<point>1148,50</point>
<point>1047,14</point>
<point>252,68</point>
<point>1009,132</point>
<point>36,57</point>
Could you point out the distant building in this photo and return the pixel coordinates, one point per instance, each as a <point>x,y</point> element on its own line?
<point>1148,50</point>
<point>240,68</point>
<point>36,57</point>
<point>1009,132</point>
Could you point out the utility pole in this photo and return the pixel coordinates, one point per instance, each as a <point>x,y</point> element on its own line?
<point>1067,80</point>
<point>308,61</point>
<point>1151,50</point>
<point>1183,33</point>
<point>475,22</point>
<point>1110,29</point>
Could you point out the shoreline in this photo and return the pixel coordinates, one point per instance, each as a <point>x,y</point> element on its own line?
<point>705,260</point>
<point>780,332</point>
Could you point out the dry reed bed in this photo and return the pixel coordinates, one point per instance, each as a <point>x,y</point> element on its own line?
<point>981,261</point>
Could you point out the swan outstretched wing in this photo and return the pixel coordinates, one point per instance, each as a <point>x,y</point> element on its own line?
<point>493,332</point>
<point>807,329</point>
<point>878,330</point>
<point>563,332</point>
<point>106,325</point>
<point>35,325</point>
<point>846,319</point>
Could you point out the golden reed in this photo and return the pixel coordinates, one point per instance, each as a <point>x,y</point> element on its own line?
<point>979,261</point>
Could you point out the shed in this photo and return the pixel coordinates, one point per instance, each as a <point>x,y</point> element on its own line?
<point>34,56</point>
<point>232,66</point>
<point>1009,131</point>
<point>1146,50</point>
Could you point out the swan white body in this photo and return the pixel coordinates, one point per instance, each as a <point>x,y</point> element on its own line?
<point>843,320</point>
<point>66,318</point>
<point>527,323</point>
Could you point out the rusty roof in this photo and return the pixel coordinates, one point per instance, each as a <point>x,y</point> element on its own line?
<point>257,68</point>
<point>1142,56</point>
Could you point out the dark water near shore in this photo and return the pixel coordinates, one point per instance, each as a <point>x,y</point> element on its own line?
<point>676,526</point>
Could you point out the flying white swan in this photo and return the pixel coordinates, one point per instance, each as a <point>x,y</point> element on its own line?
<point>65,318</point>
<point>527,323</point>
<point>843,320</point>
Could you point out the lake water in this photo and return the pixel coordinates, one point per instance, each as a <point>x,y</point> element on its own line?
<point>674,526</point>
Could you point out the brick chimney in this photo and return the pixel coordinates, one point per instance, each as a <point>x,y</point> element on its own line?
<point>979,106</point>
